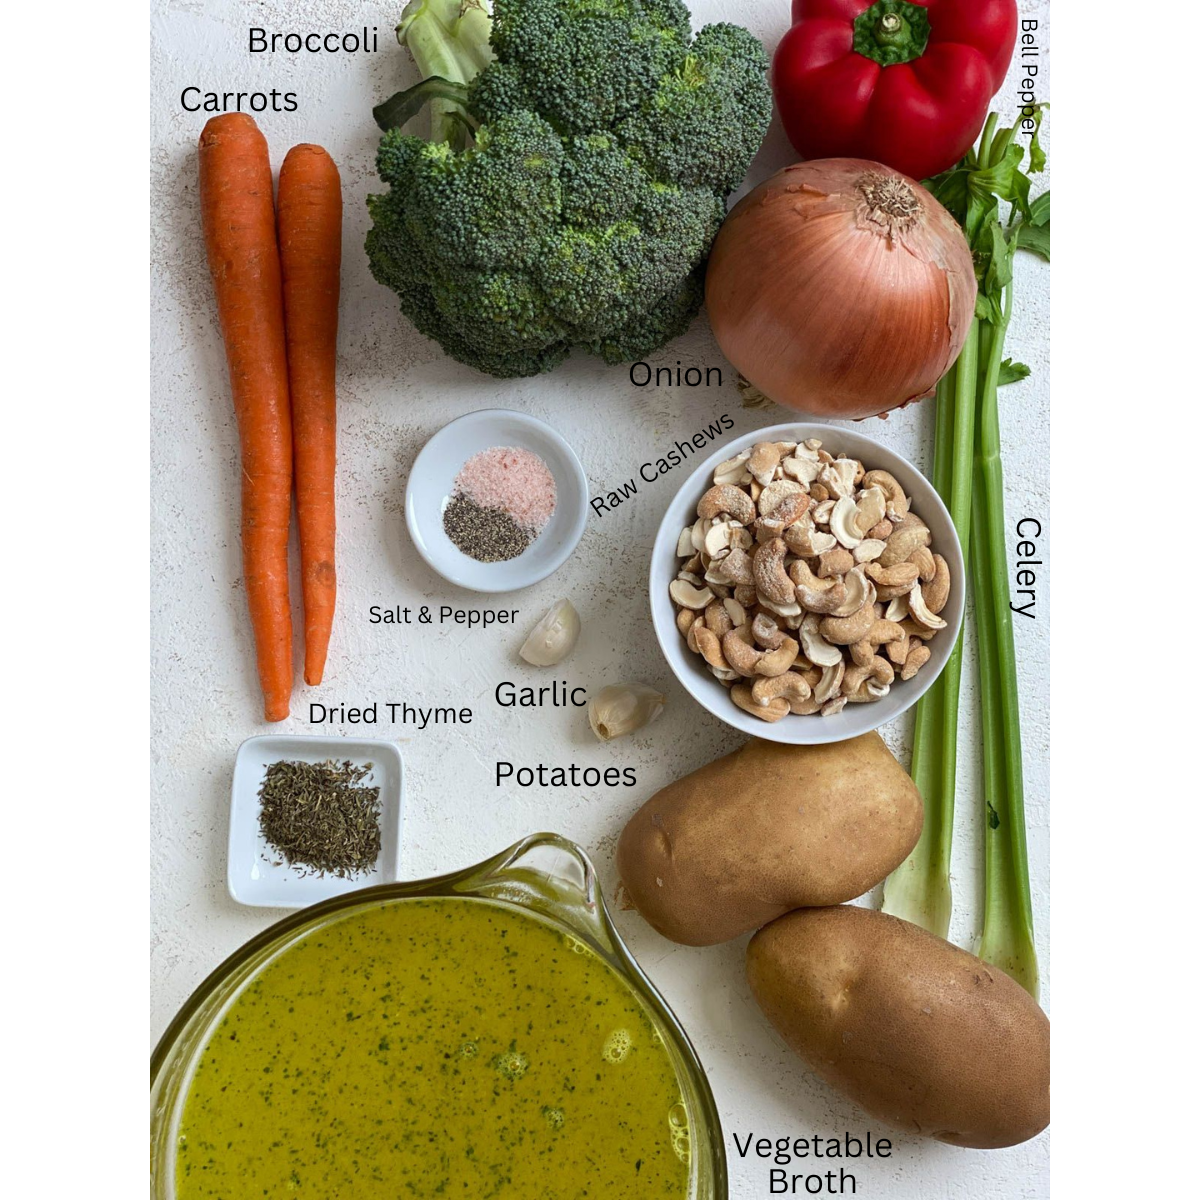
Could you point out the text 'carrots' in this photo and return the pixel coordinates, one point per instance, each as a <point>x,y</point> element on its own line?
<point>243,256</point>
<point>310,249</point>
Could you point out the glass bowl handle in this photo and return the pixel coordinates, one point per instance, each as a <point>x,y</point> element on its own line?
<point>551,875</point>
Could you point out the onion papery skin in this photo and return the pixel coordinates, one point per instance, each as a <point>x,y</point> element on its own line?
<point>835,306</point>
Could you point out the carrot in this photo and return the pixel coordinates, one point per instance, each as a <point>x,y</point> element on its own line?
<point>239,232</point>
<point>310,249</point>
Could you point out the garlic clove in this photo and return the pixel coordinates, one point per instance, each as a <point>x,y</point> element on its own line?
<point>621,708</point>
<point>553,637</point>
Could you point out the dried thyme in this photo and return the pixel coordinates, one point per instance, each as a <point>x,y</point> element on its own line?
<point>319,818</point>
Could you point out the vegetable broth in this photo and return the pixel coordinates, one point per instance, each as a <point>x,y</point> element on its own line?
<point>441,1047</point>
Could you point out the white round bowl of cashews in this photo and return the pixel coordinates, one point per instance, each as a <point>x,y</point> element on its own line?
<point>807,584</point>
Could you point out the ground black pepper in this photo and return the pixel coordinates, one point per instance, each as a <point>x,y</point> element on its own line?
<point>486,534</point>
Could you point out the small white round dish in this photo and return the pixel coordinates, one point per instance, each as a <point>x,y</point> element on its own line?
<point>431,482</point>
<point>854,719</point>
<point>256,873</point>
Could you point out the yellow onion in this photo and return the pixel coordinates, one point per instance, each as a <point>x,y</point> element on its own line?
<point>841,288</point>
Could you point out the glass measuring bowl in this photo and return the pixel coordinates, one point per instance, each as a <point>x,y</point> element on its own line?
<point>545,875</point>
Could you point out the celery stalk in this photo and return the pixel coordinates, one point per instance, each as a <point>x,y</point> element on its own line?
<point>919,889</point>
<point>1007,938</point>
<point>966,461</point>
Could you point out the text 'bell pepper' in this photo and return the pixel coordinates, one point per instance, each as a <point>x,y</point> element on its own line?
<point>906,84</point>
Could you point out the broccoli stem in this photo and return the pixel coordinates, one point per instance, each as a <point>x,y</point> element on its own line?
<point>1007,938</point>
<point>919,889</point>
<point>450,42</point>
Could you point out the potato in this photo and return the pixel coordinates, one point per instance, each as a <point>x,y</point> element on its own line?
<point>920,1033</point>
<point>764,830</point>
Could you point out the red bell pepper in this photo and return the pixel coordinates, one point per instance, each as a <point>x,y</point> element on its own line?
<point>906,84</point>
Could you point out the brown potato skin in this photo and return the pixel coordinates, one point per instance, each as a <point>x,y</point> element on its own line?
<point>920,1033</point>
<point>764,830</point>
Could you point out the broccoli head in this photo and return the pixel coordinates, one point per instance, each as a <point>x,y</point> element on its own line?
<point>577,178</point>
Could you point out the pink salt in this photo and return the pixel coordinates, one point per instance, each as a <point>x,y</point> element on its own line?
<point>512,479</point>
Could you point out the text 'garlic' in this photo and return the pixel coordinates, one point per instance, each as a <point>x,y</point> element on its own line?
<point>553,637</point>
<point>621,708</point>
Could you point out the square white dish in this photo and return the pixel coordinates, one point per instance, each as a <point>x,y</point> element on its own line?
<point>256,874</point>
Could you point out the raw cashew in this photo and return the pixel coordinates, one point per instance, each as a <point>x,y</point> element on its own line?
<point>735,611</point>
<point>922,558</point>
<point>685,594</point>
<point>766,631</point>
<point>888,594</point>
<point>813,594</point>
<point>879,634</point>
<point>733,470</point>
<point>830,682</point>
<point>764,458</point>
<point>743,698</point>
<point>789,685</point>
<point>937,591</point>
<point>843,523</point>
<point>821,512</point>
<point>878,672</point>
<point>816,649</point>
<point>838,477</point>
<point>805,541</point>
<point>894,576</point>
<point>905,539</point>
<point>775,662</point>
<point>783,516</point>
<point>918,656</point>
<point>718,539</point>
<point>725,498</point>
<point>870,509</point>
<point>774,494</point>
<point>716,619</point>
<point>710,647</point>
<point>860,592</point>
<point>868,550</point>
<point>801,468</point>
<point>844,631</point>
<point>835,562</point>
<point>769,576</point>
<point>921,614</point>
<point>781,610</point>
<point>740,651</point>
<point>745,593</point>
<point>897,501</point>
<point>737,566</point>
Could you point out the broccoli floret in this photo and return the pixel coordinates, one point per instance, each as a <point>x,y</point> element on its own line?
<point>705,120</point>
<point>605,141</point>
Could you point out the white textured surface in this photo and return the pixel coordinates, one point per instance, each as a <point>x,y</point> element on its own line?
<point>396,389</point>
